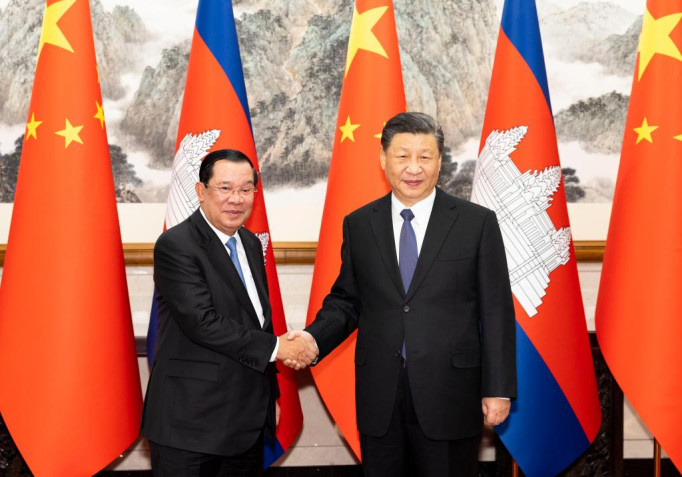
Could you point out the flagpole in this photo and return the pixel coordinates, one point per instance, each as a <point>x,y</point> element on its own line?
<point>657,458</point>
<point>515,469</point>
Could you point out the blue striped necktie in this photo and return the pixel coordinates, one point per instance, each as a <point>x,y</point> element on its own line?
<point>232,247</point>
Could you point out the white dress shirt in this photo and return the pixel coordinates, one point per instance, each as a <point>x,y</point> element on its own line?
<point>248,277</point>
<point>422,213</point>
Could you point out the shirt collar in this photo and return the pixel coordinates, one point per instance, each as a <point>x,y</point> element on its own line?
<point>421,210</point>
<point>222,236</point>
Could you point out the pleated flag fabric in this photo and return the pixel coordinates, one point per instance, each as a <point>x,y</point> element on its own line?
<point>371,94</point>
<point>640,294</point>
<point>215,115</point>
<point>518,175</point>
<point>70,393</point>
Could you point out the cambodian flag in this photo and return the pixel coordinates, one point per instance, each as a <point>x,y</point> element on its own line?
<point>518,174</point>
<point>215,115</point>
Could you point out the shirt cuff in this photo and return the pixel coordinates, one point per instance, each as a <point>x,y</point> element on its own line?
<point>273,357</point>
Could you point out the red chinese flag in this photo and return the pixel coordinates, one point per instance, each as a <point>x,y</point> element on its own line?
<point>70,391</point>
<point>640,297</point>
<point>371,94</point>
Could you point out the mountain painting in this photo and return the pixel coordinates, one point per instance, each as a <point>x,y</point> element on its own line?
<point>293,54</point>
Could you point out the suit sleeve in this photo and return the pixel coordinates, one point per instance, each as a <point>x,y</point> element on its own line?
<point>182,283</point>
<point>496,311</point>
<point>341,308</point>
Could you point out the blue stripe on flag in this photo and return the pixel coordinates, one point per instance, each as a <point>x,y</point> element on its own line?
<point>152,331</point>
<point>215,23</point>
<point>273,451</point>
<point>542,431</point>
<point>520,24</point>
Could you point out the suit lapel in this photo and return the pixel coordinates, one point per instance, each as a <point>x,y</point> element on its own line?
<point>443,217</point>
<point>254,254</point>
<point>382,228</point>
<point>220,260</point>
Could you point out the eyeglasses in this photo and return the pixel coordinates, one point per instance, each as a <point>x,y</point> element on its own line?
<point>224,191</point>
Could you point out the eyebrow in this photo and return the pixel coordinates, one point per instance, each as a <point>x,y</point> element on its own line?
<point>403,149</point>
<point>250,181</point>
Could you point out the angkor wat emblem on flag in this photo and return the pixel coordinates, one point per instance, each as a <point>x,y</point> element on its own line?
<point>264,238</point>
<point>534,246</point>
<point>182,198</point>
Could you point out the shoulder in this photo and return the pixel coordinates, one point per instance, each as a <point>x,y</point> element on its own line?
<point>249,238</point>
<point>462,206</point>
<point>246,234</point>
<point>176,233</point>
<point>371,208</point>
<point>184,234</point>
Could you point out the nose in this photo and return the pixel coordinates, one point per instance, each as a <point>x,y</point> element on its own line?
<point>413,166</point>
<point>235,198</point>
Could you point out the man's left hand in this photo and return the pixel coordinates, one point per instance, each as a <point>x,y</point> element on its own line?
<point>495,410</point>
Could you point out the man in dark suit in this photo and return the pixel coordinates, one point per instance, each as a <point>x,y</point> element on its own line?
<point>212,390</point>
<point>424,280</point>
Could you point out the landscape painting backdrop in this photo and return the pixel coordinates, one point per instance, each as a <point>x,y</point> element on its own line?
<point>293,53</point>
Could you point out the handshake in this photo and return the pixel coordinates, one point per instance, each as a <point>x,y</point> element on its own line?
<point>297,349</point>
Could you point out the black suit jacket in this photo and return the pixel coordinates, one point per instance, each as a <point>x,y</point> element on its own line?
<point>457,318</point>
<point>212,387</point>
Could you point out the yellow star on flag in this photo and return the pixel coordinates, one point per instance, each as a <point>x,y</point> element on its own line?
<point>32,127</point>
<point>644,131</point>
<point>678,137</point>
<point>361,36</point>
<point>70,134</point>
<point>100,114</point>
<point>655,39</point>
<point>51,33</point>
<point>378,136</point>
<point>347,130</point>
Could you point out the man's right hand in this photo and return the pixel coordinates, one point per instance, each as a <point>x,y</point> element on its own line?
<point>297,349</point>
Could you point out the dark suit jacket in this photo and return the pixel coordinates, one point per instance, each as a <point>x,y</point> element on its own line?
<point>457,318</point>
<point>212,387</point>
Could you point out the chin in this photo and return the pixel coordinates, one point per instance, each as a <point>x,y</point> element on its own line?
<point>413,194</point>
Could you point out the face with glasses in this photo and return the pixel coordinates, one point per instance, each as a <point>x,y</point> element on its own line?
<point>227,200</point>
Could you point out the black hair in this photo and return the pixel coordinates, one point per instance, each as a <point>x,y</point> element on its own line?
<point>412,123</point>
<point>206,168</point>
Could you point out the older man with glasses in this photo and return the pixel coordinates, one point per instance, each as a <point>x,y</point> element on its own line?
<point>212,390</point>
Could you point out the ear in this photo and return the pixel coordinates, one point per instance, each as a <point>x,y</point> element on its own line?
<point>200,190</point>
<point>382,159</point>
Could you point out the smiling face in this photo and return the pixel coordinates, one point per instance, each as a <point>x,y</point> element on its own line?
<point>227,212</point>
<point>411,163</point>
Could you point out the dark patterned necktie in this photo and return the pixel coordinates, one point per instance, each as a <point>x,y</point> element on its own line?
<point>408,255</point>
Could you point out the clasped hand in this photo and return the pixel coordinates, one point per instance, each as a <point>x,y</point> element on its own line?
<point>495,410</point>
<point>297,349</point>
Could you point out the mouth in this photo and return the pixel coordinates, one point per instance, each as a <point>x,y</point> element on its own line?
<point>232,213</point>
<point>413,182</point>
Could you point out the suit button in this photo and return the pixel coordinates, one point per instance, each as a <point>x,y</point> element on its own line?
<point>406,308</point>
